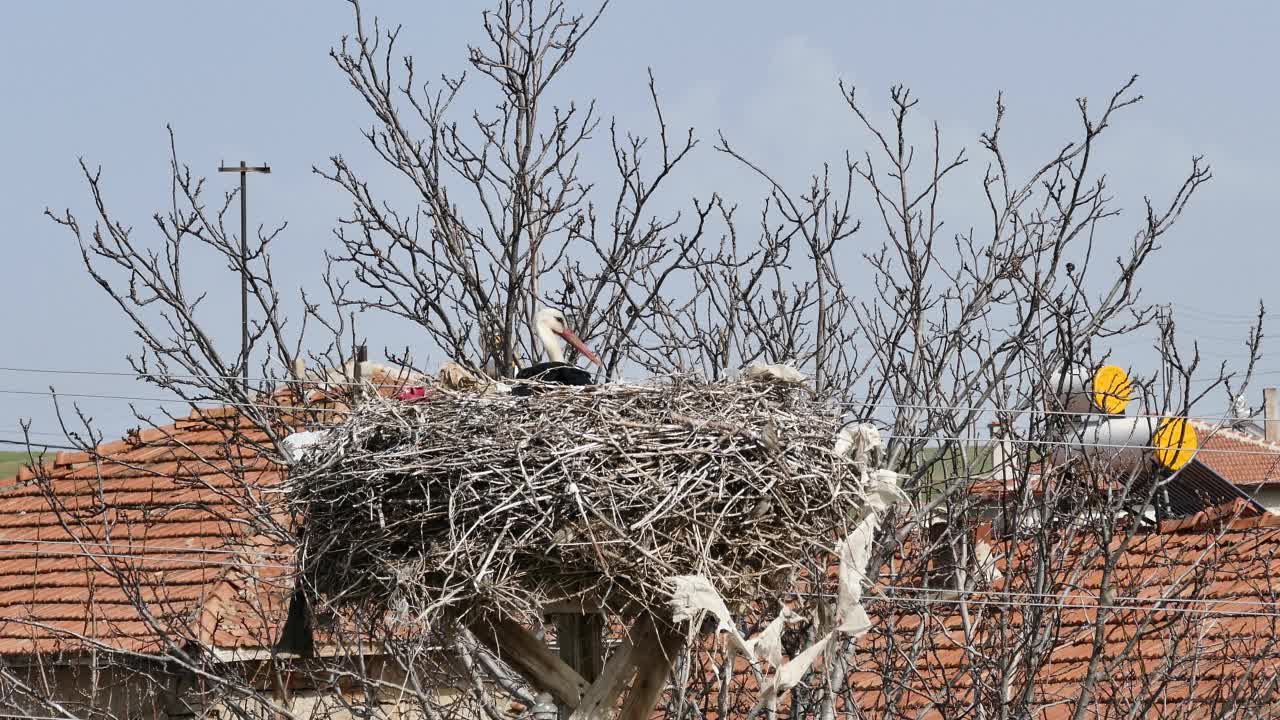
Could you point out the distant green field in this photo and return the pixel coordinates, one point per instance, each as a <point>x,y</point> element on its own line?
<point>10,462</point>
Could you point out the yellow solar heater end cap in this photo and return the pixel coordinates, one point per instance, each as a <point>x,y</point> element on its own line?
<point>1175,443</point>
<point>1112,389</point>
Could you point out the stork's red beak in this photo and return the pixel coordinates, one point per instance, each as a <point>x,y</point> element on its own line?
<point>581,346</point>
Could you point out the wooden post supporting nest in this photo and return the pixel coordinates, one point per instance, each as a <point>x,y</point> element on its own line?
<point>646,655</point>
<point>652,662</point>
<point>642,661</point>
<point>579,636</point>
<point>518,648</point>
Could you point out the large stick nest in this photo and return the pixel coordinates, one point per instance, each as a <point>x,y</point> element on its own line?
<point>469,503</point>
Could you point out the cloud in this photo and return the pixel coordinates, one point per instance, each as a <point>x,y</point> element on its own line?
<point>794,118</point>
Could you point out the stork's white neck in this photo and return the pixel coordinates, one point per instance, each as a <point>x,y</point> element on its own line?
<point>550,342</point>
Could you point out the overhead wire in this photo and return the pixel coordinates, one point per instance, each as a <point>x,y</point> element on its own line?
<point>25,443</point>
<point>1079,445</point>
<point>1217,314</point>
<point>369,383</point>
<point>145,559</point>
<point>843,403</point>
<point>196,377</point>
<point>1068,600</point>
<point>403,382</point>
<point>7,543</point>
<point>941,439</point>
<point>1020,597</point>
<point>147,546</point>
<point>1014,596</point>
<point>1150,608</point>
<point>171,401</point>
<point>46,433</point>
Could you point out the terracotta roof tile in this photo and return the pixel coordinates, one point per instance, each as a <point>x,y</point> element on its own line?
<point>1236,510</point>
<point>1192,653</point>
<point>1242,459</point>
<point>163,513</point>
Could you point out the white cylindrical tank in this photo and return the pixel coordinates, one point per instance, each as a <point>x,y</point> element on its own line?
<point>1126,444</point>
<point>1106,390</point>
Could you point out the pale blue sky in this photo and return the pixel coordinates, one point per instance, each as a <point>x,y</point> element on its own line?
<point>252,80</point>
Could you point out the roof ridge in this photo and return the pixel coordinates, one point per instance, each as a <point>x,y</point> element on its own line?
<point>1239,514</point>
<point>1234,435</point>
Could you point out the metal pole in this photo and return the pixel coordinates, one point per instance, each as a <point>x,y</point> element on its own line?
<point>244,274</point>
<point>357,370</point>
<point>244,169</point>
<point>1270,415</point>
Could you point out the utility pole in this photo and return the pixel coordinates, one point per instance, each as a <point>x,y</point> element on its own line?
<point>244,170</point>
<point>357,370</point>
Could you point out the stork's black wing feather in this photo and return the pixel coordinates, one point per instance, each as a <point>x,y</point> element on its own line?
<point>557,373</point>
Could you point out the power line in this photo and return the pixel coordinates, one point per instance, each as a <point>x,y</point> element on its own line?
<point>1182,605</point>
<point>342,383</point>
<point>844,404</point>
<point>902,592</point>
<point>970,441</point>
<point>851,404</point>
<point>94,396</point>
<point>1192,310</point>
<point>405,382</point>
<point>1079,445</point>
<point>46,433</point>
<point>24,443</point>
<point>176,376</point>
<point>1152,609</point>
<point>147,547</point>
<point>1018,596</point>
<point>1022,411</point>
<point>132,398</point>
<point>144,559</point>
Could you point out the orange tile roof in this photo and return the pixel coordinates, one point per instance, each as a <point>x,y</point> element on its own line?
<point>1191,652</point>
<point>157,535</point>
<point>143,538</point>
<point>1188,657</point>
<point>1242,459</point>
<point>992,486</point>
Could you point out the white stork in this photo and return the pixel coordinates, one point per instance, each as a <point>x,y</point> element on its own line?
<point>550,328</point>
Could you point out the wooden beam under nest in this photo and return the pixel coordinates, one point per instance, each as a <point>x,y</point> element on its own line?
<point>531,657</point>
<point>642,662</point>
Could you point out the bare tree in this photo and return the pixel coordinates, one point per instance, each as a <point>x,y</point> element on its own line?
<point>939,327</point>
